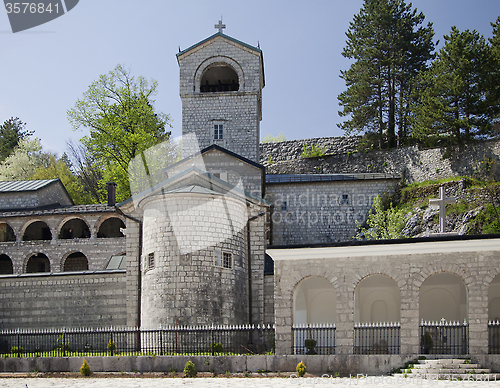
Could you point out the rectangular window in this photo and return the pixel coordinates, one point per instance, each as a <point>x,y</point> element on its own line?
<point>224,259</point>
<point>283,206</point>
<point>218,132</point>
<point>345,199</point>
<point>151,260</point>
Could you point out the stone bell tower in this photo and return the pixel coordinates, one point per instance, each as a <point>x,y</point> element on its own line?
<point>221,81</point>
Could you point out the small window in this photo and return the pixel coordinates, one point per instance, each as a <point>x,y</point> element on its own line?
<point>224,259</point>
<point>151,260</point>
<point>344,200</point>
<point>283,206</point>
<point>218,132</point>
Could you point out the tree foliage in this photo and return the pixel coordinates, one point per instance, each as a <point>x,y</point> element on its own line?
<point>118,110</point>
<point>457,98</point>
<point>382,224</point>
<point>28,161</point>
<point>11,132</point>
<point>26,158</point>
<point>389,47</point>
<point>274,139</point>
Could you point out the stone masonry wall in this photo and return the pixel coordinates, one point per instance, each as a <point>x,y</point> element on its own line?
<point>63,300</point>
<point>292,149</point>
<point>48,195</point>
<point>97,250</point>
<point>409,269</point>
<point>182,281</point>
<point>411,162</point>
<point>269,299</point>
<point>238,111</point>
<point>318,212</point>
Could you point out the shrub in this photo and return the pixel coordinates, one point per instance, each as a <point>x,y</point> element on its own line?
<point>111,346</point>
<point>301,369</point>
<point>216,347</point>
<point>313,151</point>
<point>85,368</point>
<point>17,350</point>
<point>190,369</point>
<point>310,344</point>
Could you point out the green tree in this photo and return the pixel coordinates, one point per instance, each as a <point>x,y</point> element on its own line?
<point>118,110</point>
<point>26,158</point>
<point>494,80</point>
<point>28,161</point>
<point>389,47</point>
<point>11,132</point>
<point>383,224</point>
<point>58,168</point>
<point>455,99</point>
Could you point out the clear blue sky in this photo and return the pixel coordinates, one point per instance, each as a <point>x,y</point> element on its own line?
<point>44,70</point>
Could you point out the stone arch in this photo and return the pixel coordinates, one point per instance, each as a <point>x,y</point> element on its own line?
<point>218,61</point>
<point>6,267</point>
<point>109,227</point>
<point>6,233</point>
<point>396,275</point>
<point>314,301</point>
<point>73,227</point>
<point>443,295</point>
<point>377,299</point>
<point>37,263</point>
<point>36,230</point>
<point>442,267</point>
<point>494,299</point>
<point>74,261</point>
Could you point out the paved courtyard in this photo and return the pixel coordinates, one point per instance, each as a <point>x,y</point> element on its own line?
<point>370,382</point>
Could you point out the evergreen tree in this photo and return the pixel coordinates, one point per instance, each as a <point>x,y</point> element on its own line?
<point>494,81</point>
<point>454,100</point>
<point>389,47</point>
<point>11,132</point>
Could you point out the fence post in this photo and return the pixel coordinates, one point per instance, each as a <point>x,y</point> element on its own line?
<point>18,343</point>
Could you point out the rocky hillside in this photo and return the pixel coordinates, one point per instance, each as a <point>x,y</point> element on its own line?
<point>476,211</point>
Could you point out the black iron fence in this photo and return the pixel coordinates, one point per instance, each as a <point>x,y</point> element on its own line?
<point>313,339</point>
<point>444,337</point>
<point>377,338</point>
<point>494,337</point>
<point>175,340</point>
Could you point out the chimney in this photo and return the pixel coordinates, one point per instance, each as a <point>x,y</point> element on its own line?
<point>111,193</point>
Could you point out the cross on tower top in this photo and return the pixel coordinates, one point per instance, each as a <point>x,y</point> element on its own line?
<point>441,202</point>
<point>220,26</point>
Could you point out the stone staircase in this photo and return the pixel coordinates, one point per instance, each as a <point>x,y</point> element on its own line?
<point>448,369</point>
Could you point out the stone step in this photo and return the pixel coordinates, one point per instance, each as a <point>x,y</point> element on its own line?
<point>447,366</point>
<point>451,376</point>
<point>446,370</point>
<point>443,361</point>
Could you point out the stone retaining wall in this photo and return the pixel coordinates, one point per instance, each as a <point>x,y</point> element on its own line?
<point>95,299</point>
<point>343,364</point>
<point>413,163</point>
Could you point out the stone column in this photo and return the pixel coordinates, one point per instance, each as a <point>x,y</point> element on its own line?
<point>410,324</point>
<point>133,272</point>
<point>344,333</point>
<point>478,318</point>
<point>282,314</point>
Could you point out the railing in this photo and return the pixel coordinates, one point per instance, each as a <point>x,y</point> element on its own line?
<point>494,337</point>
<point>444,337</point>
<point>377,338</point>
<point>313,339</point>
<point>174,340</point>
